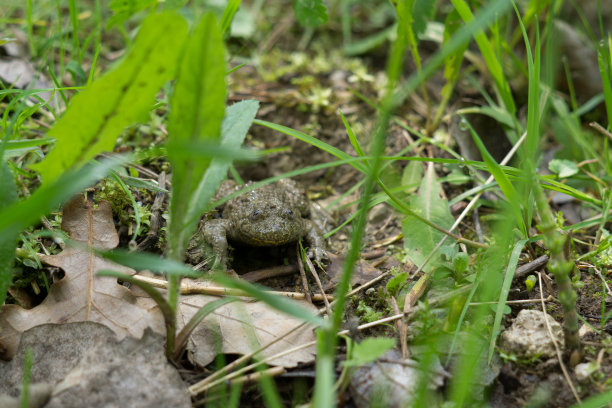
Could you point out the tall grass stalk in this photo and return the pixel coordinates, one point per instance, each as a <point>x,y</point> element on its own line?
<point>560,264</point>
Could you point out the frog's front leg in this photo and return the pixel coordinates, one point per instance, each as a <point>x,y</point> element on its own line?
<point>215,233</point>
<point>316,243</point>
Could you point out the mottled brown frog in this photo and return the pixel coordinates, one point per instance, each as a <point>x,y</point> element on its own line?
<point>270,215</point>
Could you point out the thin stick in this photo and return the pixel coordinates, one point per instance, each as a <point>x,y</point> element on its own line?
<point>315,275</point>
<point>189,288</point>
<point>303,273</point>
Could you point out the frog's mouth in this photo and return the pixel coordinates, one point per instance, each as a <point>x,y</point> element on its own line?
<point>272,232</point>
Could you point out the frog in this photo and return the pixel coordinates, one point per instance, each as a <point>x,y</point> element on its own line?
<point>273,214</point>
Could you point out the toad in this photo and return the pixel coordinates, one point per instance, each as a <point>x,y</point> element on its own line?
<point>271,215</point>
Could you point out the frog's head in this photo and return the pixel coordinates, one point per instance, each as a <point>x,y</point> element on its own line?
<point>269,225</point>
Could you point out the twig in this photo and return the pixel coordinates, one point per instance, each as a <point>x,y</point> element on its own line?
<point>204,288</point>
<point>598,272</point>
<point>303,273</point>
<point>315,275</point>
<point>529,267</point>
<point>513,302</point>
<point>601,129</point>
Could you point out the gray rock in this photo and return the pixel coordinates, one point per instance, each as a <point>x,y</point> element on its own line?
<point>87,366</point>
<point>528,336</point>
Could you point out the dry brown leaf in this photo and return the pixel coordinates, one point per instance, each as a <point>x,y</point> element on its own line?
<point>236,328</point>
<point>363,272</point>
<point>242,328</point>
<point>81,295</point>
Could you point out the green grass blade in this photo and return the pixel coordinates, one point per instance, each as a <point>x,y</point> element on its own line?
<point>228,16</point>
<point>183,335</point>
<point>74,20</point>
<point>604,59</point>
<point>502,179</point>
<point>505,289</point>
<point>123,96</point>
<point>148,261</point>
<point>8,240</point>
<point>488,53</point>
<point>15,217</point>
<point>313,141</point>
<point>452,64</point>
<point>352,136</point>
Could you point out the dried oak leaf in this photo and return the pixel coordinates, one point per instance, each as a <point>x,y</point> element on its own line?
<point>244,327</point>
<point>81,295</point>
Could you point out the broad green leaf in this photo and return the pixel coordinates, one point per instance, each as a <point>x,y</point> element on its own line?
<point>120,98</point>
<point>237,121</point>
<point>369,350</point>
<point>8,239</point>
<point>419,238</point>
<point>124,9</point>
<point>310,13</point>
<point>197,107</point>
<point>563,168</point>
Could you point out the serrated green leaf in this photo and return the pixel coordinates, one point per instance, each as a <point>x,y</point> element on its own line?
<point>8,239</point>
<point>369,350</point>
<point>563,168</point>
<point>97,115</point>
<point>197,107</point>
<point>419,238</point>
<point>310,13</point>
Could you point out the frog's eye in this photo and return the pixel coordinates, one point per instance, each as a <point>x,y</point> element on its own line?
<point>256,214</point>
<point>288,214</point>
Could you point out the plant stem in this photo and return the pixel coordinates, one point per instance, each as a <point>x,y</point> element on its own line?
<point>560,266</point>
